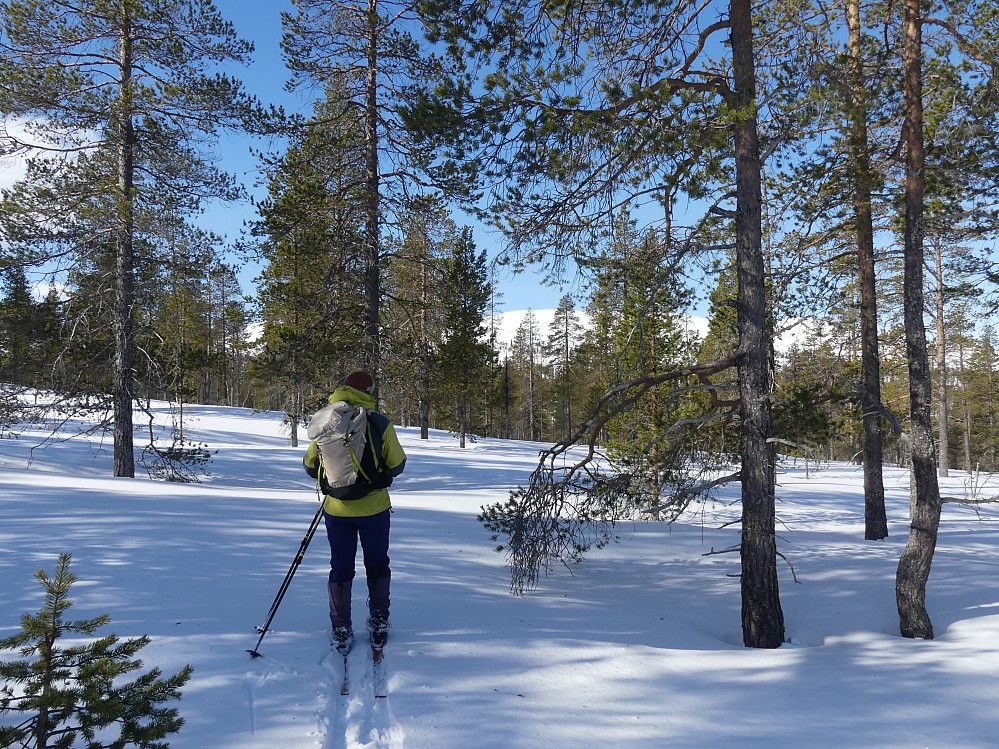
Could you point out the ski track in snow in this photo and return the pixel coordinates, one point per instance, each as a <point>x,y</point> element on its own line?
<point>357,720</point>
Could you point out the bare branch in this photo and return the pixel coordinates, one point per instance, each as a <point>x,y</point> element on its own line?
<point>692,491</point>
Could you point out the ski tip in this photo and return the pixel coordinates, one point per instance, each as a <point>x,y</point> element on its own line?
<point>254,654</point>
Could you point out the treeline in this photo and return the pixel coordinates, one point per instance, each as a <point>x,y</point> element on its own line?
<point>203,342</point>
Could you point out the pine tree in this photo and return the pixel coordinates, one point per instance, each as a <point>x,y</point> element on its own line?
<point>117,99</point>
<point>78,692</point>
<point>310,292</point>
<point>373,56</point>
<point>620,112</point>
<point>527,359</point>
<point>417,298</point>
<point>564,336</point>
<point>914,564</point>
<point>465,354</point>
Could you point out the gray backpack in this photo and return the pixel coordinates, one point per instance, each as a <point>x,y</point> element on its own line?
<point>340,432</point>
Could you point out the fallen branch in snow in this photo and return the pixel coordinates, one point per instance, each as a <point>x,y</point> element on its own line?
<point>714,553</point>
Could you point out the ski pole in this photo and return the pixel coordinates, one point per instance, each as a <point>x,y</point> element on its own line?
<point>287,579</point>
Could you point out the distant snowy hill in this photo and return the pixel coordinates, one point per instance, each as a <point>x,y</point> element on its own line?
<point>507,323</point>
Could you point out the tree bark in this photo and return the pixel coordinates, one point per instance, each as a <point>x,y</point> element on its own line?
<point>966,407</point>
<point>124,339</point>
<point>875,517</point>
<point>914,565</point>
<point>943,448</point>
<point>762,618</point>
<point>372,283</point>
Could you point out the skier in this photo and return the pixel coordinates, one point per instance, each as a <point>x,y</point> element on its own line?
<point>366,518</point>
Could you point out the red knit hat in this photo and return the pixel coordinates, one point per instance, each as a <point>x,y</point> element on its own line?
<point>360,381</point>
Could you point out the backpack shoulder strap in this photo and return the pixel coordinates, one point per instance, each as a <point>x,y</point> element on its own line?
<point>377,424</point>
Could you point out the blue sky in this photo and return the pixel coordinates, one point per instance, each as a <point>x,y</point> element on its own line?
<point>260,22</point>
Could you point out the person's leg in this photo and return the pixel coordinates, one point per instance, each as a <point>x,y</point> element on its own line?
<point>342,536</point>
<point>374,533</point>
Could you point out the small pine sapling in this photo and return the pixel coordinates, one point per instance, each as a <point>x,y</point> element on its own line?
<point>64,694</point>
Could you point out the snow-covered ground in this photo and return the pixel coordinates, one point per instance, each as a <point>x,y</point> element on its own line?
<point>640,647</point>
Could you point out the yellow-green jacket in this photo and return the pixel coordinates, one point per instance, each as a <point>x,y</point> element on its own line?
<point>392,456</point>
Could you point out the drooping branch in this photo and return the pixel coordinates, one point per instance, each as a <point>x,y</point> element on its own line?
<point>632,391</point>
<point>677,498</point>
<point>569,506</point>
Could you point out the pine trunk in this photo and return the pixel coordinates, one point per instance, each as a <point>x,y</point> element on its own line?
<point>372,287</point>
<point>122,383</point>
<point>943,421</point>
<point>762,618</point>
<point>424,417</point>
<point>875,517</point>
<point>966,407</point>
<point>914,565</point>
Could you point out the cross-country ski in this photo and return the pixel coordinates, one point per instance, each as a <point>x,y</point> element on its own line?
<point>380,677</point>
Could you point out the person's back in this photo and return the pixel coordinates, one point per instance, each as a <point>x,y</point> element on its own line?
<point>366,517</point>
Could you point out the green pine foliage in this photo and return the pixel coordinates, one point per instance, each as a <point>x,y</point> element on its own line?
<point>465,354</point>
<point>564,336</point>
<point>636,309</point>
<point>78,695</point>
<point>115,104</point>
<point>416,300</point>
<point>310,236</point>
<point>527,381</point>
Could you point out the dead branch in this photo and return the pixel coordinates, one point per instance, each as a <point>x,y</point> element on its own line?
<point>966,501</point>
<point>869,399</point>
<point>794,576</point>
<point>714,552</point>
<point>640,386</point>
<point>779,441</point>
<point>692,491</point>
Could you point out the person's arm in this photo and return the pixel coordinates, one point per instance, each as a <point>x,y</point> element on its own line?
<point>311,460</point>
<point>392,453</point>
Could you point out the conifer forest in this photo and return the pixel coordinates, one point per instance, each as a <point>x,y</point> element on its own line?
<point>818,179</point>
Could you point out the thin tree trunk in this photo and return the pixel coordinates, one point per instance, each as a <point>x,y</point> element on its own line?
<point>425,361</point>
<point>424,408</point>
<point>372,288</point>
<point>914,565</point>
<point>875,517</point>
<point>762,618</point>
<point>943,448</point>
<point>124,341</point>
<point>966,407</point>
<point>294,414</point>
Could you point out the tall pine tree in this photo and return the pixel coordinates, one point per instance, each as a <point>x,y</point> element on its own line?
<point>115,99</point>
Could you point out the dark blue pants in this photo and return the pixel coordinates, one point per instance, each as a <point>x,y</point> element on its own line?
<point>343,534</point>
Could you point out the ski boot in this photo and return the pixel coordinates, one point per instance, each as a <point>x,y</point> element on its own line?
<point>378,627</point>
<point>342,639</point>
